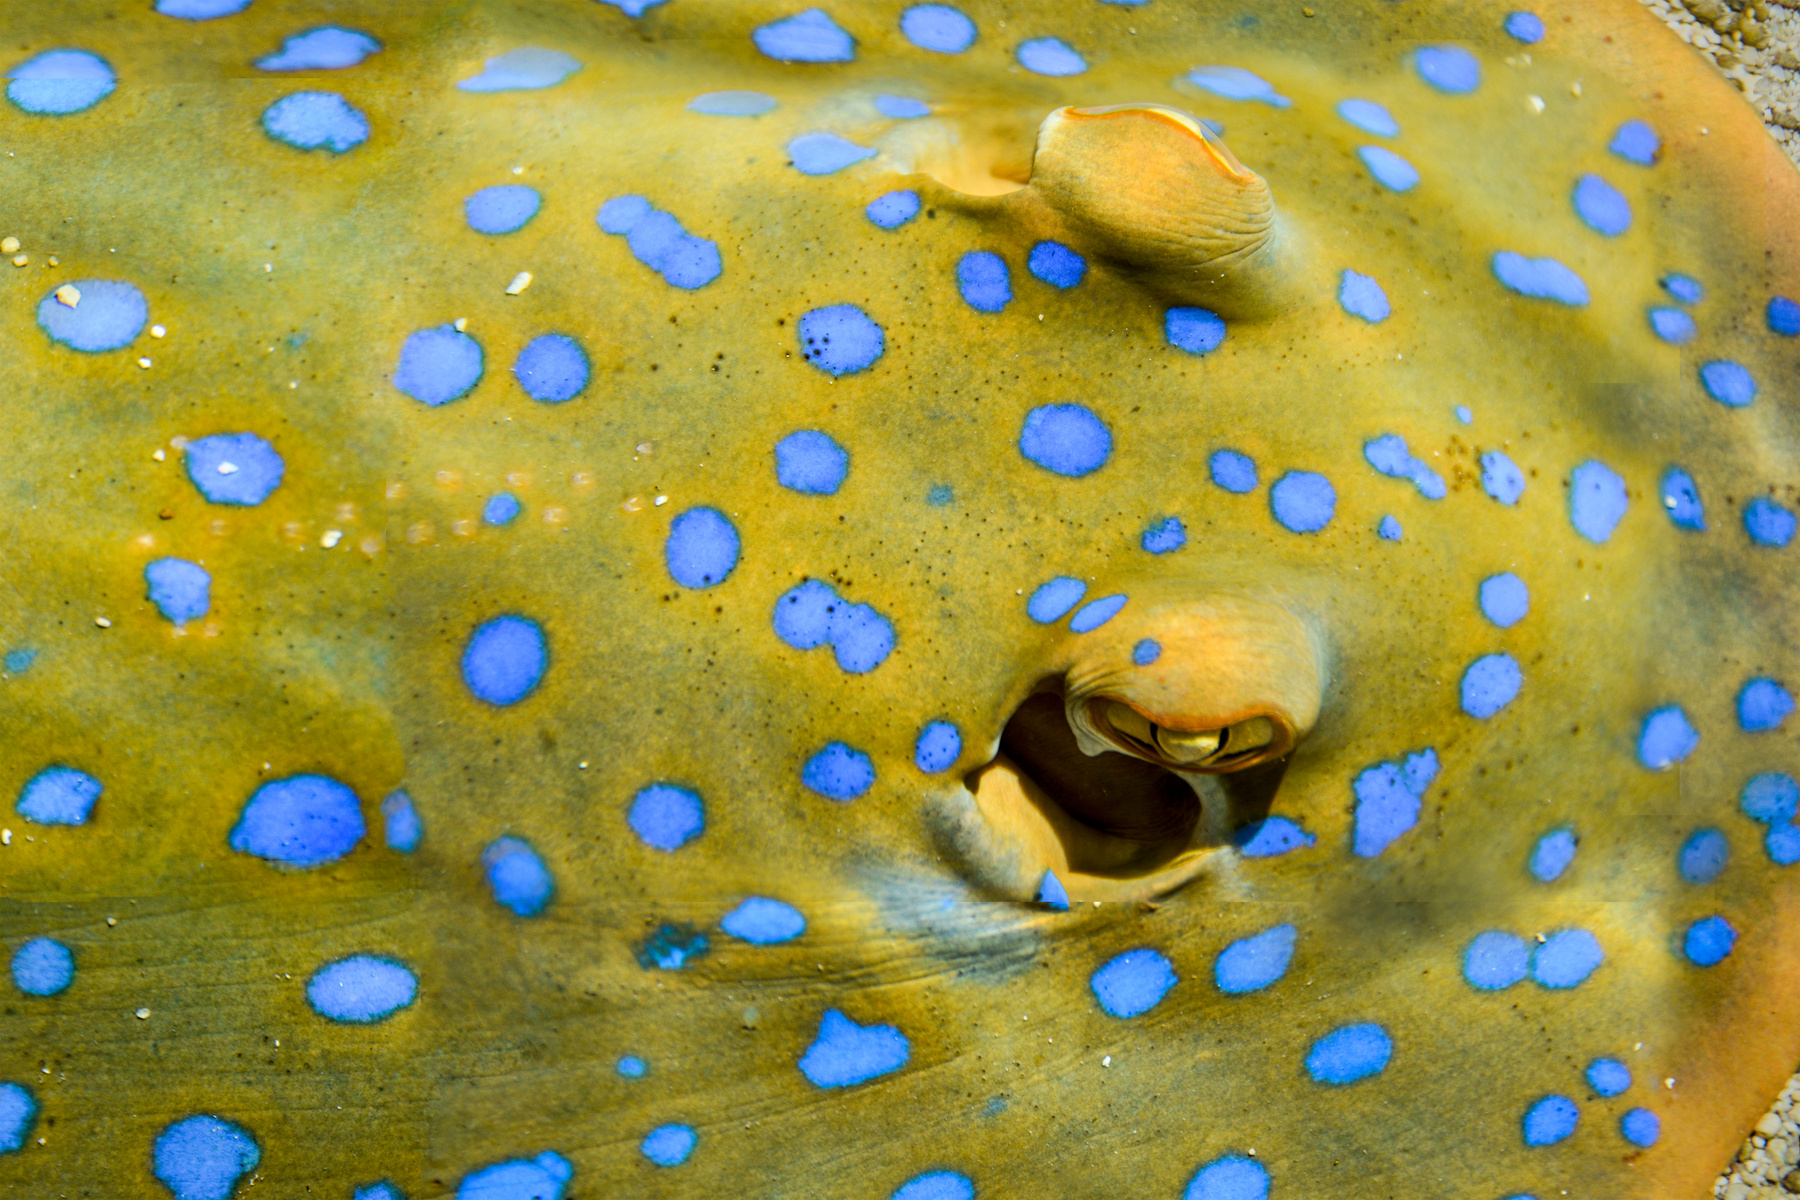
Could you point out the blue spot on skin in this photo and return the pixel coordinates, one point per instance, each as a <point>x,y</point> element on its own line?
<point>540,1178</point>
<point>525,69</point>
<point>1349,1054</point>
<point>633,8</point>
<point>702,548</point>
<point>1640,1127</point>
<point>1165,536</point>
<point>1388,530</point>
<point>18,1112</point>
<point>1709,941</point>
<point>505,659</point>
<point>301,821</point>
<point>1495,961</point>
<point>1235,83</point>
<point>1389,169</point>
<point>361,989</point>
<point>327,48</point>
<point>660,242</point>
<point>1254,963</point>
<point>1388,797</point>
<point>938,28</point>
<point>1092,616</point>
<point>1369,117</point>
<point>1602,207</point>
<point>1054,598</point>
<point>1540,278</point>
<point>552,368</point>
<point>1597,500</point>
<point>59,796</point>
<point>938,747</point>
<point>1553,854</point>
<point>1448,69</point>
<point>203,1157</point>
<point>1783,845</point>
<point>1634,141</point>
<point>1501,477</point>
<point>764,922</point>
<point>438,365</point>
<point>1303,501</point>
<point>838,772</point>
<point>517,875</point>
<point>19,661</point>
<point>1566,958</point>
<point>825,153</point>
<point>109,315</point>
<point>984,281</point>
<point>1550,1120</point>
<point>845,1053</point>
<point>1608,1076</point>
<point>1673,326</point>
<point>1133,983</point>
<point>200,10</point>
<point>316,120</point>
<point>666,817</point>
<point>893,209</point>
<point>401,824</point>
<point>901,108</point>
<point>1146,652</point>
<point>735,103</point>
<point>1703,856</point>
<point>1681,500</point>
<point>1771,798</point>
<point>1729,383</point>
<point>811,463</point>
<point>501,209</point>
<point>1685,288</point>
<point>622,213</point>
<point>840,339</point>
<point>1196,330</point>
<point>1504,599</point>
<point>632,1067</point>
<point>1490,684</point>
<point>501,509</point>
<point>807,37</point>
<point>1783,316</point>
<point>1232,1177</point>
<point>1065,438</point>
<point>812,614</point>
<point>251,468</point>
<point>1361,296</point>
<point>1232,471</point>
<point>1666,739</point>
<point>1526,27</point>
<point>59,82</point>
<point>1388,454</point>
<point>1763,704</point>
<point>382,1190</point>
<point>1271,837</point>
<point>1050,56</point>
<point>1056,264</point>
<point>179,589</point>
<point>42,967</point>
<point>668,1145</point>
<point>936,1185</point>
<point>1768,523</point>
<point>1052,893</point>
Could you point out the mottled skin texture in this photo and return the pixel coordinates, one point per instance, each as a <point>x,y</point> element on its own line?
<point>345,662</point>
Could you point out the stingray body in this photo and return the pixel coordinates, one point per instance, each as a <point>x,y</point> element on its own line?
<point>667,600</point>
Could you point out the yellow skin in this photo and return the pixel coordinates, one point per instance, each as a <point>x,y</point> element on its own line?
<point>345,661</point>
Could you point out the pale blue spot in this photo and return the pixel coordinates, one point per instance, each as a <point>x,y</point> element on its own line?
<point>1768,523</point>
<point>1231,1177</point>
<point>1146,652</point>
<point>109,315</point>
<point>1067,439</point>
<point>1552,854</point>
<point>1730,383</point>
<point>1388,530</point>
<point>838,772</point>
<point>302,821</point>
<point>1504,599</point>
<point>1772,798</point>
<point>1388,168</point>
<point>1254,963</point>
<point>936,1185</point>
<point>438,365</point>
<point>1369,117</point>
<point>840,339</point>
<point>811,462</point>
<point>1666,738</point>
<point>552,368</point>
<point>1303,501</point>
<point>1388,455</point>
<point>845,1054</point>
<point>503,208</point>
<point>633,8</point>
<point>984,281</point>
<point>735,103</point>
<point>316,120</point>
<point>938,28</point>
<point>938,747</point>
<point>1640,1127</point>
<point>1526,27</point>
<point>1685,288</point>
<point>1783,845</point>
<point>203,1157</point>
<point>379,1190</point>
<point>825,153</point>
<point>1235,83</point>
<point>812,614</point>
<point>517,876</point>
<point>181,590</point>
<point>893,209</point>
<point>1608,1076</point>
<point>1501,477</point>
<point>669,1145</point>
<point>1097,613</point>
<point>622,213</point>
<point>632,1067</point>
<point>1597,500</point>
<point>1271,837</point>
<point>1165,536</point>
<point>1133,983</point>
<point>1196,330</point>
<point>702,548</point>
<point>1056,264</point>
<point>59,796</point>
<point>809,37</point>
<point>1566,958</point>
<point>1763,704</point>
<point>1361,296</point>
<point>659,241</point>
<point>327,48</point>
<point>524,69</point>
<point>1388,799</point>
<point>1550,1120</point>
<point>501,509</point>
<point>1348,1054</point>
<point>18,661</point>
<point>1495,961</point>
<point>1703,856</point>
<point>1634,141</point>
<point>1050,56</point>
<point>401,824</point>
<point>361,989</point>
<point>901,108</point>
<point>540,1178</point>
<point>42,967</point>
<point>1783,316</point>
<point>504,659</point>
<point>200,10</point>
<point>1709,941</point>
<point>1540,278</point>
<point>234,468</point>
<point>1052,893</point>
<point>1233,471</point>
<point>764,922</point>
<point>1054,598</point>
<point>1601,206</point>
<point>666,817</point>
<point>60,82</point>
<point>1448,69</point>
<point>18,1112</point>
<point>1464,414</point>
<point>1490,684</point>
<point>1673,326</point>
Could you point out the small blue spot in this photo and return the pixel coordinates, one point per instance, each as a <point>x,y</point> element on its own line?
<point>1526,27</point>
<point>501,509</point>
<point>1146,652</point>
<point>621,214</point>
<point>1709,941</point>
<point>179,589</point>
<point>1597,500</point>
<point>1540,278</point>
<point>316,120</point>
<point>234,468</point>
<point>1464,414</point>
<point>540,1178</point>
<point>838,772</point>
<point>1703,856</point>
<point>670,948</point>
<point>504,659</point>
<point>1231,1177</point>
<point>1448,69</point>
<point>825,153</point>
<point>811,463</point>
<point>936,1185</point>
<point>1768,523</point>
<point>1608,1076</point>
<point>984,281</point>
<point>1388,797</point>
<point>1232,471</point>
<point>1054,598</point>
<point>1165,536</point>
<point>1388,530</point>
<point>438,365</point>
<point>1490,684</point>
<point>1349,1054</point>
<point>1096,613</point>
<point>1763,704</point>
<point>1783,316</point>
<point>401,825</point>
<point>1783,845</point>
<point>1501,477</point>
<point>901,108</point>
<point>1666,739</point>
<point>552,368</point>
<point>809,37</point>
<point>1681,499</point>
<point>1388,454</point>
<point>1389,170</point>
<point>203,1157</point>
<point>1771,798</point>
<point>1504,599</point>
<point>19,661</point>
<point>764,922</point>
<point>1685,288</point>
<point>1065,438</point>
<point>18,1112</point>
<point>938,747</point>
<point>361,989</point>
<point>1196,330</point>
<point>659,241</point>
<point>1133,983</point>
<point>1495,961</point>
<point>1601,206</point>
<point>301,821</point>
<point>1271,837</point>
<point>666,817</point>
<point>1050,56</point>
<point>702,548</point>
<point>1729,383</point>
<point>1052,893</point>
<point>110,314</point>
<point>840,339</point>
<point>1553,854</point>
<point>525,69</point>
<point>1303,501</point>
<point>42,967</point>
<point>200,10</point>
<point>1235,83</point>
<point>1550,1120</point>
<point>632,1067</point>
<point>1362,297</point>
<point>940,495</point>
<point>633,8</point>
<point>327,48</point>
<point>1640,1127</point>
<point>59,796</point>
<point>380,1190</point>
<point>1254,963</point>
<point>893,209</point>
<point>845,1053</point>
<point>1566,958</point>
<point>1369,117</point>
<point>1056,264</point>
<point>668,1145</point>
<point>1634,141</point>
<point>501,209</point>
<point>1673,326</point>
<point>733,103</point>
<point>517,875</point>
<point>938,28</point>
<point>60,82</point>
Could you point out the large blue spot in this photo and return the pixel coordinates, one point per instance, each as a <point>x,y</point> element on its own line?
<point>1763,704</point>
<point>660,242</point>
<point>845,1053</point>
<point>505,659</point>
<point>1709,941</point>
<point>1361,296</point>
<point>1147,651</point>
<point>1232,1177</point>
<point>200,10</point>
<point>1133,983</point>
<point>1164,536</point>
<point>1490,684</point>
<point>42,967</point>
<point>1608,1076</point>
<point>840,339</point>
<point>893,209</point>
<point>1731,384</point>
<point>1389,169</point>
<point>1270,837</point>
<point>936,1185</point>
<point>1703,856</point>
<point>1597,500</point>
<point>1369,117</point>
<point>1685,288</point>
<point>316,120</point>
<point>1196,330</point>
<point>1768,523</point>
<point>811,463</point>
<point>1783,845</point>
<point>1640,1127</point>
<point>1054,598</point>
<point>1681,499</point>
<point>1772,798</point>
<point>59,82</point>
<point>1602,206</point>
<point>1673,326</point>
<point>808,37</point>
<point>327,48</point>
<point>1253,963</point>
<point>109,314</point>
<point>1349,1054</point>
<point>938,747</point>
<point>1056,264</point>
<point>732,103</point>
<point>1388,797</point>
<point>1525,27</point>
<point>1783,316</point>
<point>361,989</point>
<point>1504,599</point>
<point>401,827</point>
<point>1666,738</point>
<point>812,614</point>
<point>702,548</point>
<point>1448,69</point>
<point>1495,961</point>
<point>1540,278</point>
<point>666,817</point>
<point>525,69</point>
<point>1566,958</point>
<point>517,876</point>
<point>1550,1120</point>
<point>838,772</point>
<point>234,468</point>
<point>501,209</point>
<point>1096,613</point>
<point>1233,471</point>
<point>203,1157</point>
<point>1552,854</point>
<point>1050,56</point>
<point>18,1112</point>
<point>181,590</point>
<point>1501,477</point>
<point>901,108</point>
<point>438,365</point>
<point>937,27</point>
<point>669,1145</point>
<point>1303,501</point>
<point>1235,83</point>
<point>1065,438</point>
<point>764,922</point>
<point>540,1178</point>
<point>984,281</point>
<point>1634,141</point>
<point>1388,454</point>
<point>301,821</point>
<point>59,796</point>
<point>825,153</point>
<point>552,368</point>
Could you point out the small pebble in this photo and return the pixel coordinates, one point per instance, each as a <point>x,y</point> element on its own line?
<point>157,331</point>
<point>143,1014</point>
<point>68,295</point>
<point>103,623</point>
<point>519,283</point>
<point>9,245</point>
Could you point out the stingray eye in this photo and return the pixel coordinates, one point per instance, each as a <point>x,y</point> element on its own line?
<point>1229,748</point>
